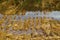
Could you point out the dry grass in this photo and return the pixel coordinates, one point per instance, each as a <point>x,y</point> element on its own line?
<point>18,6</point>
<point>41,29</point>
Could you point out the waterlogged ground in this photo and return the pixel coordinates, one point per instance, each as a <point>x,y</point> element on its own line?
<point>31,26</point>
<point>53,14</point>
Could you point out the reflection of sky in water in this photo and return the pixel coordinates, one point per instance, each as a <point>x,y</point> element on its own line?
<point>54,14</point>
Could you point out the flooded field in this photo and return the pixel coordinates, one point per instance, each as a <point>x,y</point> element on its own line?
<point>31,26</point>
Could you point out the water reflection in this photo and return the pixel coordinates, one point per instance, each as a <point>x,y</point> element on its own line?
<point>53,14</point>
